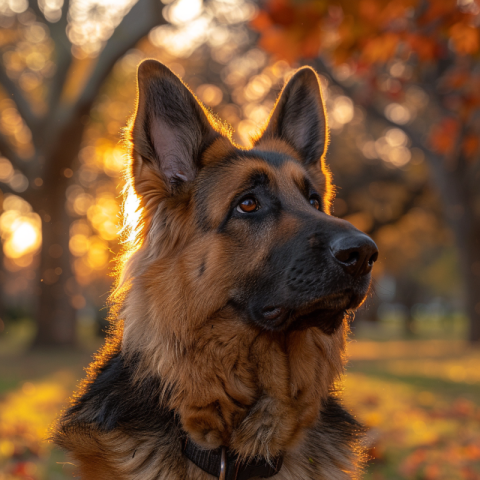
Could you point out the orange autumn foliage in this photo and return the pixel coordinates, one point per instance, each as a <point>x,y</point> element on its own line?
<point>293,31</point>
<point>443,136</point>
<point>369,36</point>
<point>375,26</point>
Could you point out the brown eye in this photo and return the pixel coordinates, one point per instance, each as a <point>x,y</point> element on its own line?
<point>248,205</point>
<point>315,203</point>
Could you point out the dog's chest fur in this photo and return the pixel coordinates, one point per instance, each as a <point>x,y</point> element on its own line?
<point>123,429</point>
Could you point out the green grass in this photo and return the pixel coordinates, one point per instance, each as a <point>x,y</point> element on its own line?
<point>419,399</point>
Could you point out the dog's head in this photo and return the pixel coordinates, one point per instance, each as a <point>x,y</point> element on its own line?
<point>243,230</point>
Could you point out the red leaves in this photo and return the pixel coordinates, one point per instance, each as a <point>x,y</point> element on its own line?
<point>290,32</point>
<point>465,38</point>
<point>427,48</point>
<point>443,136</point>
<point>381,48</point>
<point>471,144</point>
<point>282,13</point>
<point>262,22</point>
<point>369,30</point>
<point>375,35</point>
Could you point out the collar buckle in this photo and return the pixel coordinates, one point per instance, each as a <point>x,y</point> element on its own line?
<point>226,465</point>
<point>223,465</point>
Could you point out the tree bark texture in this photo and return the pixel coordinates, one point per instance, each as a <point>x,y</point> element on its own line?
<point>456,192</point>
<point>56,317</point>
<point>57,138</point>
<point>469,256</point>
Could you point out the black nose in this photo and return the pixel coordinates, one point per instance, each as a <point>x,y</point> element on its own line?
<point>356,253</point>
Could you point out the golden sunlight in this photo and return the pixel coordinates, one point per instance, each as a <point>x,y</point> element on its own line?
<point>92,23</point>
<point>20,229</point>
<point>131,215</point>
<point>183,11</point>
<point>24,238</point>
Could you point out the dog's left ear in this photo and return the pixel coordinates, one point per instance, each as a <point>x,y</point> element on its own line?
<point>170,130</point>
<point>299,117</point>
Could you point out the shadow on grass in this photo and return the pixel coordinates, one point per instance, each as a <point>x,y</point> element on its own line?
<point>446,388</point>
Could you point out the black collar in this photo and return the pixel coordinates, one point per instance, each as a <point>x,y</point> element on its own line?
<point>210,461</point>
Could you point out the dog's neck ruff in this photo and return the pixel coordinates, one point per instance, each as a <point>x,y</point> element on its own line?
<point>225,465</point>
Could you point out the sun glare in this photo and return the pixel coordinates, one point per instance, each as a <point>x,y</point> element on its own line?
<point>183,11</point>
<point>131,215</point>
<point>24,239</point>
<point>92,22</point>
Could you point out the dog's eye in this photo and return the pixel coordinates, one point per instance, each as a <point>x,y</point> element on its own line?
<point>314,202</point>
<point>248,205</point>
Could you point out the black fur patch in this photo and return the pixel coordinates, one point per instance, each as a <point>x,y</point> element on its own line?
<point>336,417</point>
<point>113,400</point>
<point>275,159</point>
<point>336,431</point>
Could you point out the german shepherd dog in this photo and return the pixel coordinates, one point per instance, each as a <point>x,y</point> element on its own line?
<point>232,304</point>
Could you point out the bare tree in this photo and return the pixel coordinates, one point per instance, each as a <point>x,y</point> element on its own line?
<point>56,137</point>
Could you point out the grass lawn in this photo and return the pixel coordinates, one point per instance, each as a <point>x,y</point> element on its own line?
<point>420,400</point>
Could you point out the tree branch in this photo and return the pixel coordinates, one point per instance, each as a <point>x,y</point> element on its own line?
<point>446,182</point>
<point>23,106</point>
<point>137,23</point>
<point>376,114</point>
<point>27,168</point>
<point>33,4</point>
<point>6,188</point>
<point>63,50</point>
<point>7,150</point>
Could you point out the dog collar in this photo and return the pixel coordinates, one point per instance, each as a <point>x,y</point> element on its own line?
<point>225,465</point>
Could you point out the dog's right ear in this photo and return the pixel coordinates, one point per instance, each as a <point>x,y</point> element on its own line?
<point>299,117</point>
<point>170,130</point>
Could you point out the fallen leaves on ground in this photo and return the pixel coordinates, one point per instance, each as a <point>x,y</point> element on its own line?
<point>416,431</point>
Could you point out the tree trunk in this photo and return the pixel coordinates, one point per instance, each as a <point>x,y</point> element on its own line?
<point>407,294</point>
<point>453,183</point>
<point>466,228</point>
<point>468,245</point>
<point>56,317</point>
<point>470,263</point>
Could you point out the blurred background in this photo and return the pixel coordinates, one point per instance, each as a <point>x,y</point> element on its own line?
<point>401,80</point>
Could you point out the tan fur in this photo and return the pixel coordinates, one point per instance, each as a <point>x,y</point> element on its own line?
<point>210,358</point>
<point>231,383</point>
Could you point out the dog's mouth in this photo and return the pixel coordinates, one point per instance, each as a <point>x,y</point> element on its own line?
<point>326,313</point>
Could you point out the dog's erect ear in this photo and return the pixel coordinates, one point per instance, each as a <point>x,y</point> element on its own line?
<point>170,129</point>
<point>299,117</point>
